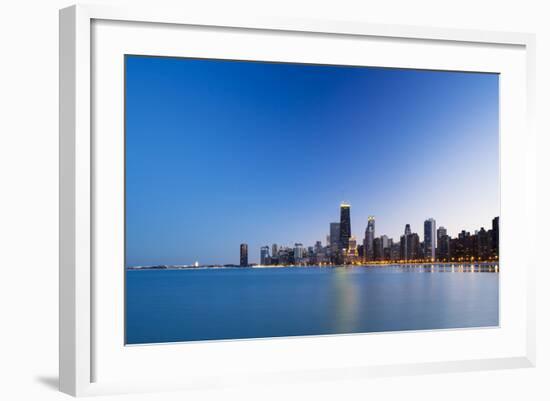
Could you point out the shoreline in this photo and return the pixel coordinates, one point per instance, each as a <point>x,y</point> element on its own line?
<point>370,265</point>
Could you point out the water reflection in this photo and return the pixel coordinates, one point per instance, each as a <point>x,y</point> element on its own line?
<point>189,305</point>
<point>346,297</point>
<point>449,267</point>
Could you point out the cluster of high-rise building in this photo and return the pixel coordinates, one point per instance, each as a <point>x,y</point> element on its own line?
<point>342,248</point>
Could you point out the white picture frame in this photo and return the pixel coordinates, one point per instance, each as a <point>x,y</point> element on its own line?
<point>79,317</point>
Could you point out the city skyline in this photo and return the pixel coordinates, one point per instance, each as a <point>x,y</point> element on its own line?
<point>220,153</point>
<point>433,241</point>
<point>436,245</point>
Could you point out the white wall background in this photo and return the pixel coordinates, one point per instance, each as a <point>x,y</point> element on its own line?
<point>28,201</point>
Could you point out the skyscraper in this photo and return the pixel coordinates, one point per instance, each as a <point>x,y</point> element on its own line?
<point>429,238</point>
<point>274,250</point>
<point>264,255</point>
<point>369,238</point>
<point>482,249</point>
<point>360,252</point>
<point>334,237</point>
<point>352,247</point>
<point>385,241</point>
<point>409,245</point>
<point>345,225</point>
<point>403,247</point>
<point>444,248</point>
<point>318,247</point>
<point>395,251</point>
<point>378,250</point>
<point>403,242</point>
<point>244,255</point>
<point>299,252</point>
<point>495,237</point>
<point>441,231</point>
<point>387,244</point>
<point>413,246</point>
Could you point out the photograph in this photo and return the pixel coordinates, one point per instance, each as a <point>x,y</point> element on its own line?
<point>271,199</point>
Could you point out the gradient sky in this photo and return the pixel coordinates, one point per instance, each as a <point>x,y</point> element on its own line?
<point>224,152</point>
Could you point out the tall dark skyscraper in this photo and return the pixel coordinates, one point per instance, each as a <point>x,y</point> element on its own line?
<point>369,239</point>
<point>495,237</point>
<point>429,238</point>
<point>244,255</point>
<point>345,225</point>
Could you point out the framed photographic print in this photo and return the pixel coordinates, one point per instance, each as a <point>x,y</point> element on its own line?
<point>277,200</point>
<point>227,140</point>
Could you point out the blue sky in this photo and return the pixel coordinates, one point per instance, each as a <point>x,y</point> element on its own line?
<point>224,152</point>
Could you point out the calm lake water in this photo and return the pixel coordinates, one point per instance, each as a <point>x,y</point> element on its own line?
<point>232,303</point>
